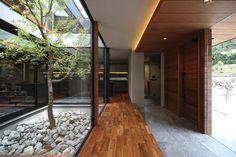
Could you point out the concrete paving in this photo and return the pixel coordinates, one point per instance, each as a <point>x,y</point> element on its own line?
<point>178,137</point>
<point>224,115</point>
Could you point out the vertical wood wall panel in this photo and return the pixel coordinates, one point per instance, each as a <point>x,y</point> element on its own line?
<point>188,80</point>
<point>205,105</point>
<point>171,80</point>
<point>190,68</point>
<point>96,73</point>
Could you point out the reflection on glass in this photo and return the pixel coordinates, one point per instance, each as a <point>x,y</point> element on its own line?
<point>26,85</point>
<point>16,87</point>
<point>101,52</point>
<point>17,84</point>
<point>41,85</point>
<point>81,8</point>
<point>74,90</point>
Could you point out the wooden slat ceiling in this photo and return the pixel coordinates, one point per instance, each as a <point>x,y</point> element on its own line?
<point>224,30</point>
<point>179,20</point>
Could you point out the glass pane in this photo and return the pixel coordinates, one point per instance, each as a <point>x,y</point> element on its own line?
<point>101,52</point>
<point>74,90</point>
<point>28,84</point>
<point>17,84</point>
<point>41,85</point>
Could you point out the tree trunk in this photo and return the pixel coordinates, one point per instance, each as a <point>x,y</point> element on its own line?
<point>50,100</point>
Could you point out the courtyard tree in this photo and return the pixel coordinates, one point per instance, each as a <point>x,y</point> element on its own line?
<point>42,40</point>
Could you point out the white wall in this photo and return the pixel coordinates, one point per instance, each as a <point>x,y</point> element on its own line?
<point>136,78</point>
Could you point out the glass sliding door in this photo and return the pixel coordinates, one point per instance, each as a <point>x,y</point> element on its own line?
<point>101,52</point>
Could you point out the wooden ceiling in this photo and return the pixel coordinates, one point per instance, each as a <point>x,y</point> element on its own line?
<point>224,30</point>
<point>179,20</point>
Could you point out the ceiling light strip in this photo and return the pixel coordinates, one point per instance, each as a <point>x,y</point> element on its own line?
<point>145,23</point>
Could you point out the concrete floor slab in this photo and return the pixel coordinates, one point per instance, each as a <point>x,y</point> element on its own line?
<point>178,137</point>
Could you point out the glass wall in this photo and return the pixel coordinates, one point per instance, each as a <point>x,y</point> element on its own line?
<point>101,52</point>
<point>62,74</point>
<point>17,83</point>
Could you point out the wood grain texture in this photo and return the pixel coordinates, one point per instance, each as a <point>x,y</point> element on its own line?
<point>205,82</point>
<point>191,70</point>
<point>192,59</point>
<point>179,20</point>
<point>224,30</point>
<point>122,132</point>
<point>46,155</point>
<point>96,74</point>
<point>171,80</point>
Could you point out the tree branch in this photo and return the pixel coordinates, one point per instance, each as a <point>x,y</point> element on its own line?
<point>36,4</point>
<point>62,79</point>
<point>39,25</point>
<point>49,8</point>
<point>41,12</point>
<point>32,12</point>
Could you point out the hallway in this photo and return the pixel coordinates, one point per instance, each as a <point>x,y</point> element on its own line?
<point>121,132</point>
<point>178,137</point>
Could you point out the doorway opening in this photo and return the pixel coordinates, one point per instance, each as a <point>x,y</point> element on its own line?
<point>224,93</point>
<point>152,74</point>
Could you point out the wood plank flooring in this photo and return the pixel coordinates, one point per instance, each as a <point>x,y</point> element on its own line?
<point>48,155</point>
<point>121,132</point>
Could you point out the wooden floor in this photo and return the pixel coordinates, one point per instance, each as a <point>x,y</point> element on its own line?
<point>48,155</point>
<point>122,132</point>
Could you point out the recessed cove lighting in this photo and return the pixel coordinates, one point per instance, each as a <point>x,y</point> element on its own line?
<point>147,20</point>
<point>164,38</point>
<point>207,1</point>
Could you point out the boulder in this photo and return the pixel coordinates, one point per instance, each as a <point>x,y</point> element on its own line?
<point>29,150</point>
<point>3,150</point>
<point>53,151</point>
<point>22,140</point>
<point>32,136</point>
<point>53,131</point>
<point>50,141</point>
<point>67,150</point>
<point>14,135</point>
<point>6,142</point>
<point>20,149</point>
<point>42,131</point>
<point>55,136</point>
<point>45,139</point>
<point>34,141</point>
<point>39,137</point>
<point>71,143</point>
<point>38,147</point>
<point>40,126</point>
<point>12,151</point>
<point>15,146</point>
<point>71,135</point>
<point>42,151</point>
<point>20,128</point>
<point>61,147</point>
<point>71,127</point>
<point>59,139</point>
<point>79,135</point>
<point>53,145</point>
<point>27,142</point>
<point>7,132</point>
